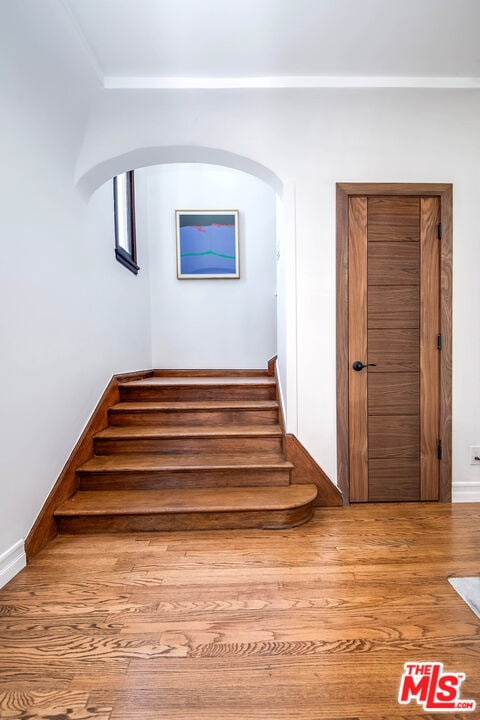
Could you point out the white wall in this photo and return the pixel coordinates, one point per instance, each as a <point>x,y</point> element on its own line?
<point>70,315</point>
<point>315,138</point>
<point>287,307</point>
<point>282,283</point>
<point>209,323</point>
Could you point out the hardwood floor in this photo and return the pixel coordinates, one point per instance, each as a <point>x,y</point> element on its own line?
<point>313,623</point>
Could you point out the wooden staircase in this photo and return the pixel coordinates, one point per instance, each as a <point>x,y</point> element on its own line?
<point>191,451</point>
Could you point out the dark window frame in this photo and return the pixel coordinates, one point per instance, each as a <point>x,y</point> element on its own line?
<point>127,258</point>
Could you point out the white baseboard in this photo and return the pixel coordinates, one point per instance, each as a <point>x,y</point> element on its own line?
<point>466,492</point>
<point>12,561</point>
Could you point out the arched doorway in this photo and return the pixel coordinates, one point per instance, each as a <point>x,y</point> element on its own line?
<point>92,178</point>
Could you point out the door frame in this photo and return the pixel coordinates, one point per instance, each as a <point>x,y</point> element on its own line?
<point>444,192</point>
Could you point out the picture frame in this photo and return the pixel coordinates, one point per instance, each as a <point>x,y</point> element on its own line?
<point>207,244</point>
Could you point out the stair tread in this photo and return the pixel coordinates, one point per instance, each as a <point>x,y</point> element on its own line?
<point>146,405</point>
<point>199,381</point>
<point>232,372</point>
<point>188,431</point>
<point>152,461</point>
<point>148,502</point>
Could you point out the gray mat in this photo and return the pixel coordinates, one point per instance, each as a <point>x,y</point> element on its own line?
<point>469,590</point>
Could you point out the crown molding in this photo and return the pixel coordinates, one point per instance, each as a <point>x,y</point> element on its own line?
<point>86,46</point>
<point>116,82</point>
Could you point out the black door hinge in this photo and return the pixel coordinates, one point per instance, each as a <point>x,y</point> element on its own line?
<point>440,231</point>
<point>439,342</point>
<point>439,450</point>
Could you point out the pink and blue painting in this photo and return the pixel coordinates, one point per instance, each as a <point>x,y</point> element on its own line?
<point>207,244</point>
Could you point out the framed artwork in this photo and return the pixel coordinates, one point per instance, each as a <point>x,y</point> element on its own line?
<point>207,244</point>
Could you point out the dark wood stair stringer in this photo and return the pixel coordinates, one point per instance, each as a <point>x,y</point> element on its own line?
<point>45,526</point>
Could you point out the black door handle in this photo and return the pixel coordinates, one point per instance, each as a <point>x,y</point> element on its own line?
<point>357,365</point>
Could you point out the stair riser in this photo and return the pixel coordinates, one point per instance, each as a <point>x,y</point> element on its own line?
<point>177,480</point>
<point>104,446</point>
<point>278,519</point>
<point>194,418</point>
<point>179,393</point>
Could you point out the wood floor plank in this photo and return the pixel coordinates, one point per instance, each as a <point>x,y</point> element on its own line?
<point>50,704</point>
<point>307,624</point>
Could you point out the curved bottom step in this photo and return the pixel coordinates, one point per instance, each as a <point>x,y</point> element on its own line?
<point>207,509</point>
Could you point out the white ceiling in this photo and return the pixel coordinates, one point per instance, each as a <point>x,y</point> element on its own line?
<point>281,38</point>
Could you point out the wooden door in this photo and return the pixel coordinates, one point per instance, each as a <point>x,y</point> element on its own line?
<point>394,332</point>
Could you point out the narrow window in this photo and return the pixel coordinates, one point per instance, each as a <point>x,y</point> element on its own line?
<point>124,211</point>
